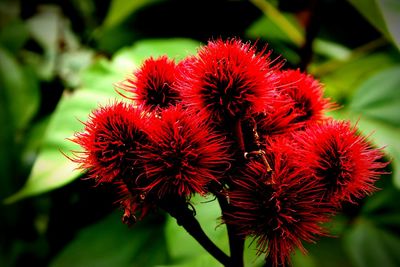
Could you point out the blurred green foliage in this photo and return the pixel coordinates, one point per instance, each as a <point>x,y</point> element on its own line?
<point>60,60</point>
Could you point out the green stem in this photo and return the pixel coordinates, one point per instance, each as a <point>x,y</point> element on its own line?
<point>281,21</point>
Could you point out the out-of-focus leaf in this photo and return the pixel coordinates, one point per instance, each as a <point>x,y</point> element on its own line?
<point>383,15</point>
<point>21,90</point>
<point>391,14</point>
<point>32,141</point>
<point>6,147</point>
<point>72,65</point>
<point>331,50</point>
<point>52,169</point>
<point>13,35</point>
<point>44,27</point>
<point>343,81</point>
<point>277,39</point>
<point>120,9</point>
<point>267,29</point>
<point>370,246</point>
<point>382,207</point>
<point>51,30</point>
<point>384,135</point>
<point>379,96</point>
<point>111,243</point>
<point>176,48</point>
<point>284,22</point>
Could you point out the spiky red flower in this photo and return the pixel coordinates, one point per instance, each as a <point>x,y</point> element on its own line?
<point>184,154</point>
<point>111,141</point>
<point>227,79</point>
<point>152,84</point>
<point>279,209</point>
<point>305,92</point>
<point>340,158</point>
<point>276,119</point>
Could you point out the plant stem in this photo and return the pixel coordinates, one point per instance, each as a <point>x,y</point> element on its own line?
<point>312,28</point>
<point>178,208</point>
<point>236,242</point>
<point>280,21</point>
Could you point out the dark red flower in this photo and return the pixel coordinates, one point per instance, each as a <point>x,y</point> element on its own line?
<point>305,92</point>
<point>184,154</point>
<point>135,202</point>
<point>152,84</point>
<point>339,157</point>
<point>227,79</point>
<point>279,209</point>
<point>111,141</point>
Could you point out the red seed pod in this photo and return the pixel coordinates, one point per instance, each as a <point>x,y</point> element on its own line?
<point>227,79</point>
<point>306,95</point>
<point>184,155</point>
<point>152,84</point>
<point>339,157</point>
<point>279,209</point>
<point>111,141</point>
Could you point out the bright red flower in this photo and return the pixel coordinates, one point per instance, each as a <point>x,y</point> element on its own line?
<point>339,157</point>
<point>279,209</point>
<point>306,94</point>
<point>276,119</point>
<point>228,79</point>
<point>152,84</point>
<point>112,138</point>
<point>184,154</point>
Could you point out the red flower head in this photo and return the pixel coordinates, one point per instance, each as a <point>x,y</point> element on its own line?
<point>227,79</point>
<point>306,94</point>
<point>111,140</point>
<point>152,84</point>
<point>184,155</point>
<point>279,209</point>
<point>340,158</point>
<point>276,119</point>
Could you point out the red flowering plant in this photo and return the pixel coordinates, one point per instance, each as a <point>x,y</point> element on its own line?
<point>232,123</point>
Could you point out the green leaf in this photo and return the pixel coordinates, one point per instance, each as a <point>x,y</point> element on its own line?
<point>391,15</point>
<point>344,79</point>
<point>111,243</point>
<point>379,96</point>
<point>21,90</point>
<point>177,48</point>
<point>120,10</point>
<point>14,35</point>
<point>383,15</point>
<point>52,169</point>
<point>370,246</point>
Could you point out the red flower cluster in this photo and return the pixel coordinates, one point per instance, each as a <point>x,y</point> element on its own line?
<point>230,120</point>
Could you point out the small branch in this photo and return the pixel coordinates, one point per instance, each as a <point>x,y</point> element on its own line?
<point>312,29</point>
<point>236,242</point>
<point>280,20</point>
<point>178,208</point>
